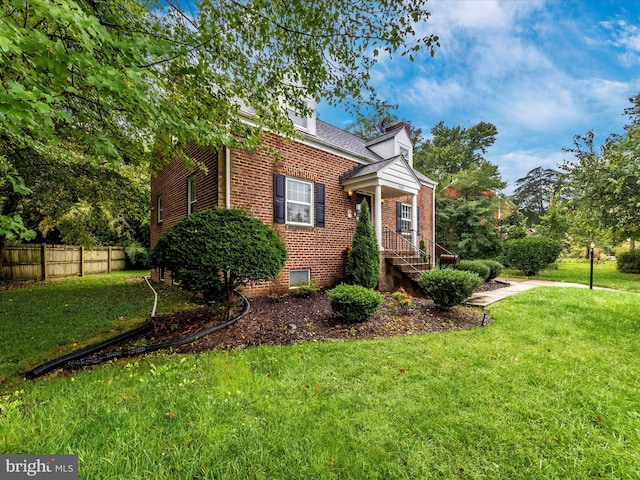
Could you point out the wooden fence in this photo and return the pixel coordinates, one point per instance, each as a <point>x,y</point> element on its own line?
<point>40,262</point>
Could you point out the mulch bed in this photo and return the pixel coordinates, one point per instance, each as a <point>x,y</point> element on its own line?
<point>290,319</point>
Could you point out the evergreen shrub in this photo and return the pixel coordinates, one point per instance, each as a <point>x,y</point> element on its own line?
<point>531,254</point>
<point>216,251</point>
<point>475,266</point>
<point>449,287</point>
<point>628,262</point>
<point>363,260</point>
<point>354,303</point>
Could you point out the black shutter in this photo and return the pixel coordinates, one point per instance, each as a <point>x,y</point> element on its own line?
<point>418,226</point>
<point>320,205</point>
<point>278,198</point>
<point>398,217</point>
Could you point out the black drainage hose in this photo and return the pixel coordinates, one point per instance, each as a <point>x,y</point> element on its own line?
<point>75,359</point>
<point>84,362</point>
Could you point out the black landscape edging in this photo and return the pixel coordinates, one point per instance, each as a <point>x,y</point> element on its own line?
<point>75,359</point>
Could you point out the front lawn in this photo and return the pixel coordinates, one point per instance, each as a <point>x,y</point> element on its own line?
<point>548,391</point>
<point>604,275</point>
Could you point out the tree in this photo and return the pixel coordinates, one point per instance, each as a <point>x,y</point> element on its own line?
<point>466,200</point>
<point>217,251</point>
<point>363,260</point>
<point>123,77</point>
<point>605,184</point>
<point>535,191</point>
<point>454,149</point>
<point>76,200</point>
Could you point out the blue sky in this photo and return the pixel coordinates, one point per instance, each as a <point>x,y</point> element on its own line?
<point>540,71</point>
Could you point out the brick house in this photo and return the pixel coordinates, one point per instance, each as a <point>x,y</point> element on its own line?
<point>311,197</point>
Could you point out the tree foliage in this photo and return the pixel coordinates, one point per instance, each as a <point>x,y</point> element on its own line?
<point>456,149</point>
<point>73,199</point>
<point>216,251</point>
<point>605,183</point>
<point>535,191</point>
<point>104,72</point>
<point>467,202</point>
<point>363,260</point>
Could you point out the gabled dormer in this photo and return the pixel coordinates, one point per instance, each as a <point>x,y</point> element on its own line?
<point>305,124</point>
<point>395,141</point>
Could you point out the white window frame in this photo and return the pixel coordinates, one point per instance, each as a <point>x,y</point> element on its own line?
<point>159,209</point>
<point>288,202</point>
<point>405,218</point>
<point>307,271</point>
<point>192,194</point>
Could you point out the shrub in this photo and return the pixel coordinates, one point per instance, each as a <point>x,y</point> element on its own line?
<point>138,257</point>
<point>475,266</point>
<point>495,268</point>
<point>531,254</point>
<point>306,289</point>
<point>354,303</point>
<point>628,262</point>
<point>216,251</point>
<point>449,287</point>
<point>363,260</point>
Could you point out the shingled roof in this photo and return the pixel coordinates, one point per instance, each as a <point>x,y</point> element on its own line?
<point>344,140</point>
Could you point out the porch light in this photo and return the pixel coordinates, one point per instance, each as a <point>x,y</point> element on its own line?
<point>349,193</point>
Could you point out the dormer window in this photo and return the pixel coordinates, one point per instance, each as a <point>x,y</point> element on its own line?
<point>306,124</point>
<point>298,121</point>
<point>404,151</point>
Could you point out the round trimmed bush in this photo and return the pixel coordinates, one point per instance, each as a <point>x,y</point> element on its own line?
<point>354,303</point>
<point>216,251</point>
<point>495,268</point>
<point>475,266</point>
<point>449,287</point>
<point>531,254</point>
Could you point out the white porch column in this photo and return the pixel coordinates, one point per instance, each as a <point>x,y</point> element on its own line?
<point>378,215</point>
<point>414,220</point>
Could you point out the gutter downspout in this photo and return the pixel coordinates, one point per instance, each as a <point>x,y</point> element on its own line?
<point>227,177</point>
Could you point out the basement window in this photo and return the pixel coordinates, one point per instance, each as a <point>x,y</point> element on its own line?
<point>296,277</point>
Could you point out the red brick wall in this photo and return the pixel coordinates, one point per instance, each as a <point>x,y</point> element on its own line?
<point>171,182</point>
<point>318,249</point>
<point>321,250</point>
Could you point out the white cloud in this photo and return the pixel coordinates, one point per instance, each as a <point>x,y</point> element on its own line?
<point>516,164</point>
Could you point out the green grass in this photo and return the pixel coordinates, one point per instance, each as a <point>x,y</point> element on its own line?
<point>550,390</point>
<point>43,321</point>
<point>604,275</point>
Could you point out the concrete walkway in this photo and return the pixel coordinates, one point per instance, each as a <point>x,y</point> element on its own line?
<point>482,299</point>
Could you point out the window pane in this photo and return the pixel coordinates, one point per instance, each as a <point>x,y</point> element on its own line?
<point>298,213</point>
<point>297,276</point>
<point>299,191</point>
<point>406,218</point>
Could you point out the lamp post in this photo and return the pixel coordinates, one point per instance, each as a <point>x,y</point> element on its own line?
<point>591,271</point>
